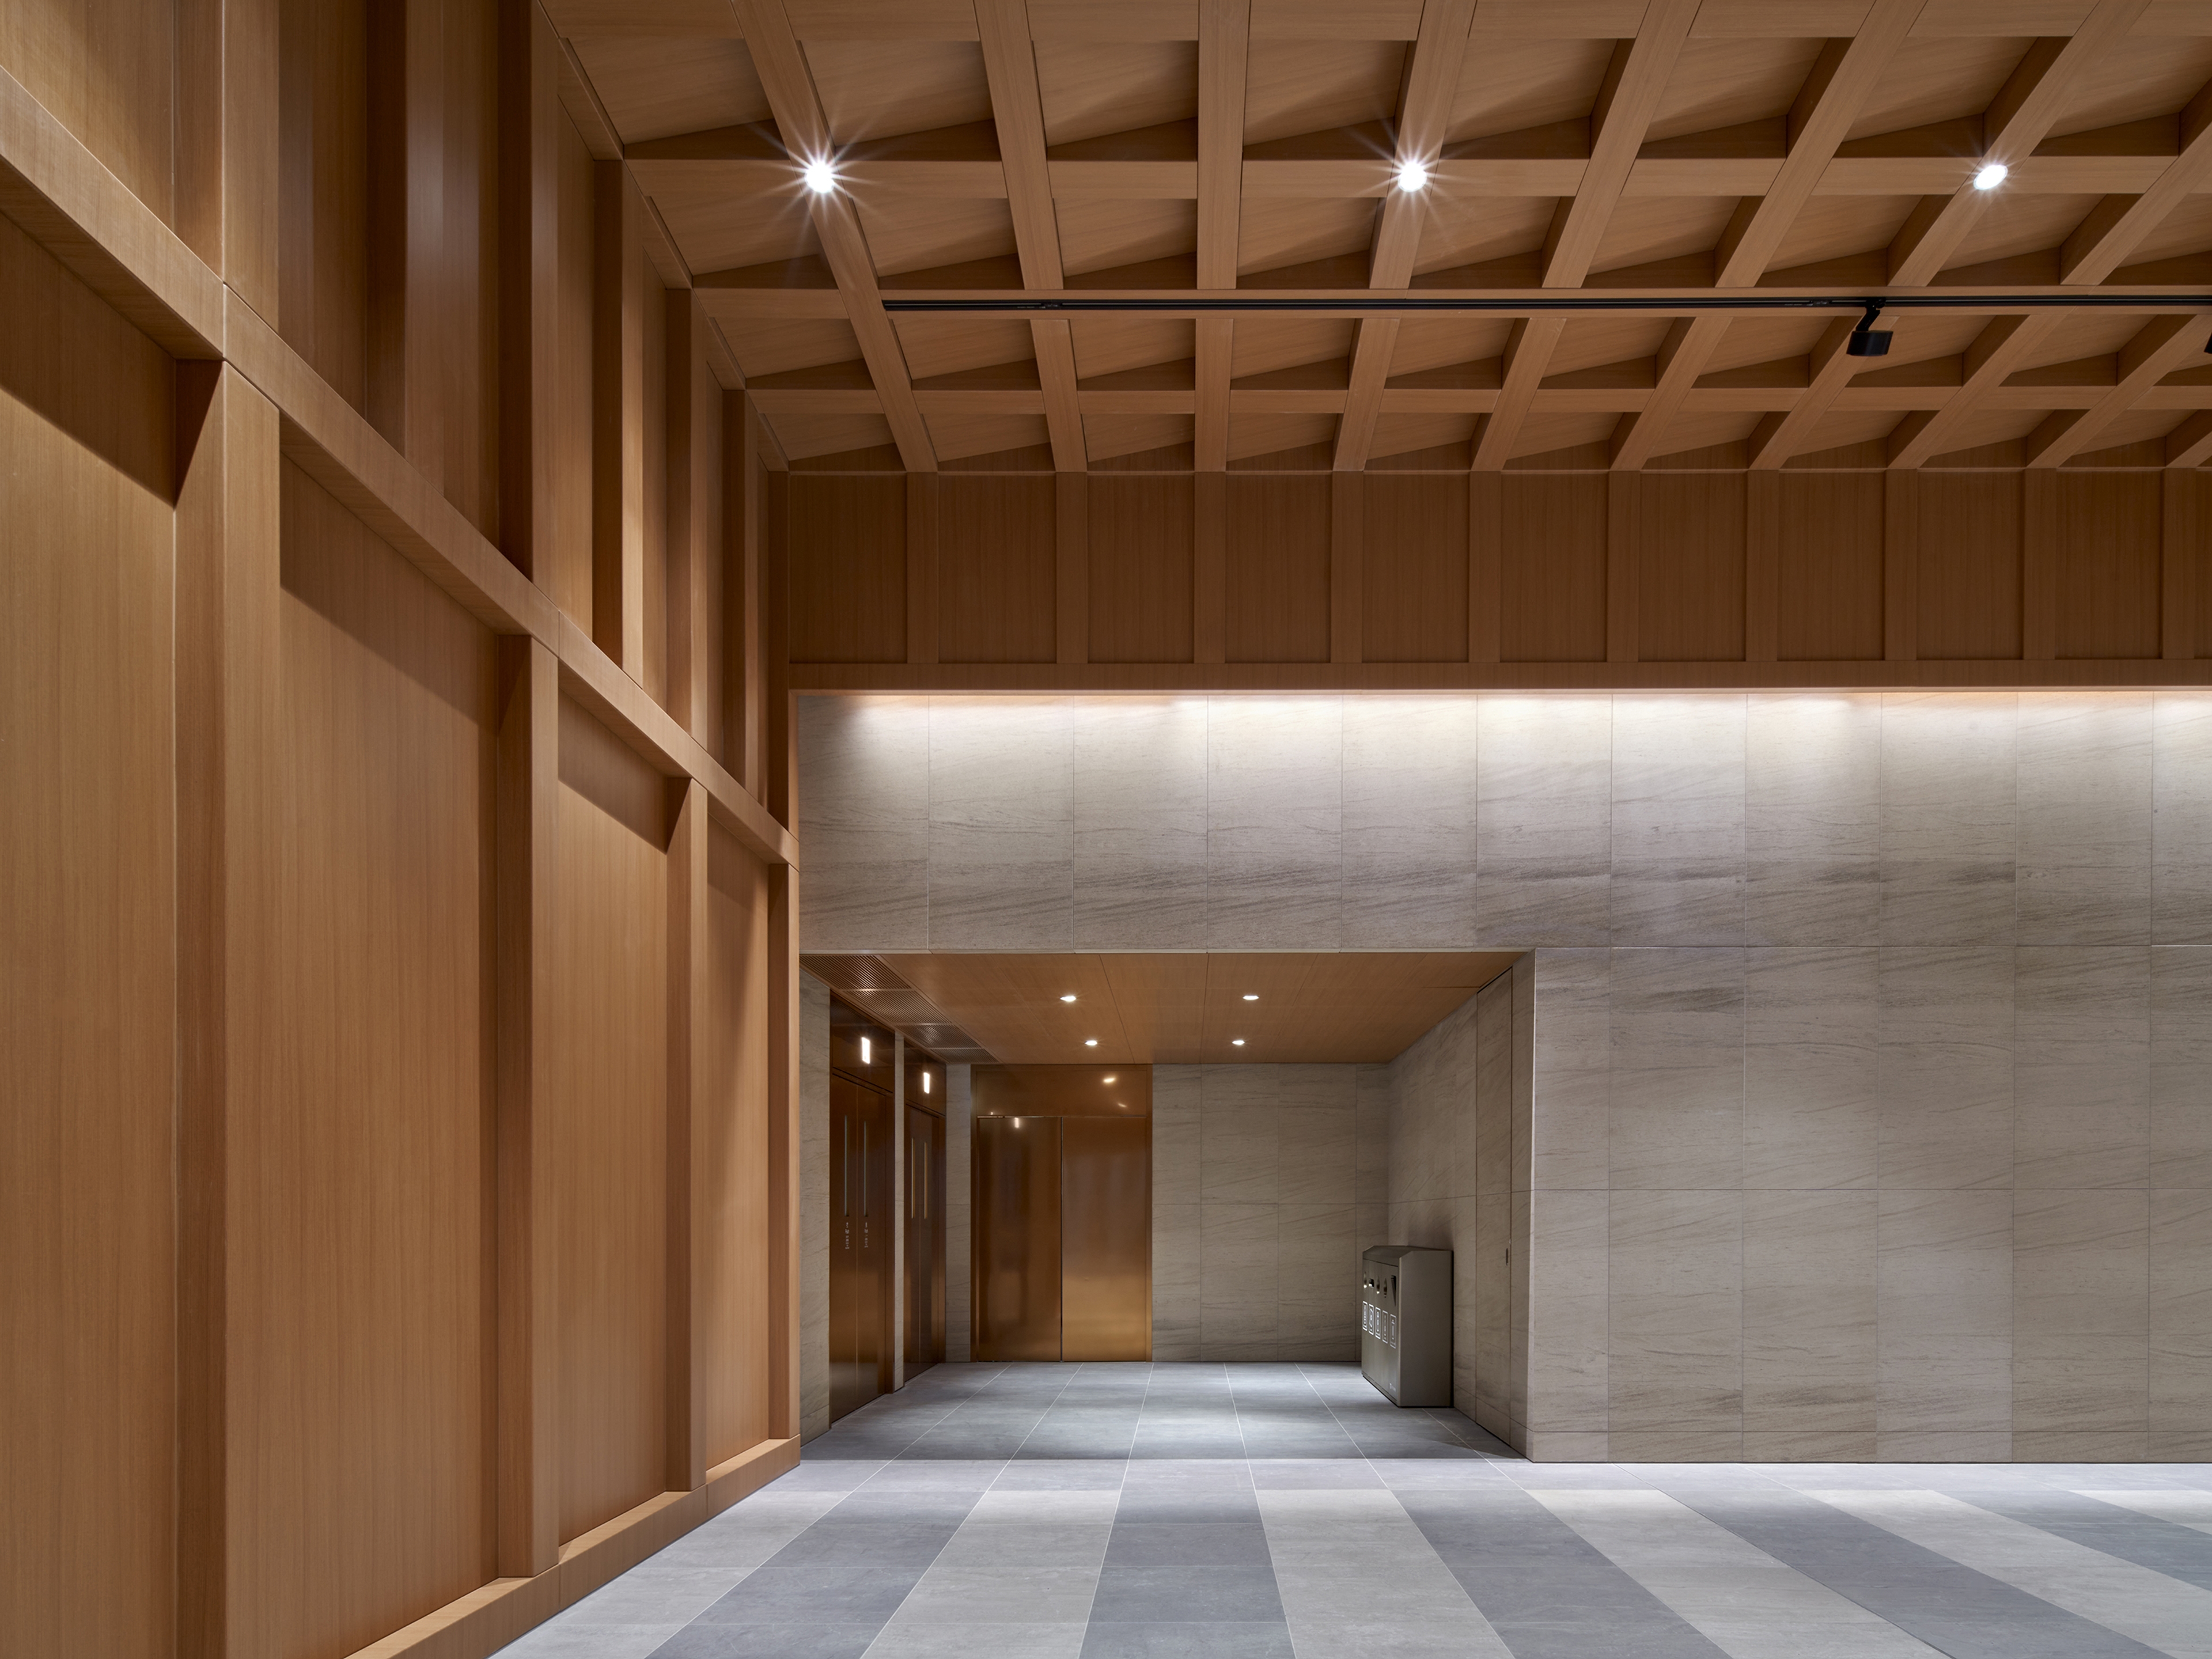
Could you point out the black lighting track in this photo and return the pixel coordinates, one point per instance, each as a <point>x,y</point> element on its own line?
<point>1399,303</point>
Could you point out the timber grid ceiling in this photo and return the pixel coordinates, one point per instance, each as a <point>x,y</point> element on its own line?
<point>1172,153</point>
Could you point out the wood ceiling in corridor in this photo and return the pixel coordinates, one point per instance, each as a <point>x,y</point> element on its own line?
<point>1157,149</point>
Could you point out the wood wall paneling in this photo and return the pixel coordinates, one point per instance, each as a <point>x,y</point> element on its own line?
<point>528,273</point>
<point>996,569</point>
<point>1690,549</point>
<point>620,281</point>
<point>2106,536</point>
<point>321,163</point>
<point>1140,537</point>
<point>1413,604</point>
<point>361,1189</point>
<point>848,572</point>
<point>107,70</point>
<point>1552,568</point>
<point>570,581</point>
<point>733,1212</point>
<point>611,1124</point>
<point>89,846</point>
<point>1969,566</point>
<point>1275,566</point>
<point>1828,567</point>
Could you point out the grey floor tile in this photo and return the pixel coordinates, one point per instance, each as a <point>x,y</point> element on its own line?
<point>1186,1594</point>
<point>867,1546</point>
<point>1256,1639</point>
<point>703,1641</point>
<point>1187,1544</point>
<point>812,1595</point>
<point>2178,1551</point>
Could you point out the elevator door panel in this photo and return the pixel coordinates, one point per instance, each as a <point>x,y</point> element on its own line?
<point>1106,1238</point>
<point>1017,1245</point>
<point>861,1216</point>
<point>924,1239</point>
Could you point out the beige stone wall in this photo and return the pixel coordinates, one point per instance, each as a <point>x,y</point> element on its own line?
<point>1267,1183</point>
<point>1871,1072</point>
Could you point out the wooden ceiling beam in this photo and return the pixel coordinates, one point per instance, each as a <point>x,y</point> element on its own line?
<point>2190,444</point>
<point>2017,120</point>
<point>2118,223</point>
<point>1527,349</point>
<point>1843,77</point>
<point>1689,345</point>
<point>2157,349</point>
<point>805,132</point>
<point>1216,346</point>
<point>1634,83</point>
<point>1018,109</point>
<point>1994,354</point>
<point>1224,30</point>
<point>1778,436</point>
<point>1431,82</point>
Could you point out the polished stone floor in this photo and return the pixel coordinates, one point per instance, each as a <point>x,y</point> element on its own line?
<point>1112,1511</point>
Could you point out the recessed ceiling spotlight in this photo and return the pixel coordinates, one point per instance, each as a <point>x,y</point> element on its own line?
<point>1091,1042</point>
<point>821,177</point>
<point>1991,176</point>
<point>1236,1042</point>
<point>1251,996</point>
<point>864,1060</point>
<point>1413,175</point>
<point>1109,1080</point>
<point>1068,997</point>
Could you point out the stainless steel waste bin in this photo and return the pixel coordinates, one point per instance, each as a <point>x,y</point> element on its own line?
<point>1406,1324</point>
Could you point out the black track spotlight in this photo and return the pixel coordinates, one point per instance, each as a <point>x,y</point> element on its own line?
<point>1867,340</point>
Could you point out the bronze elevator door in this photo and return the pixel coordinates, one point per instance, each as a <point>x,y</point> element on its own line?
<point>924,1239</point>
<point>861,1215</point>
<point>1106,1238</point>
<point>1063,1219</point>
<point>1016,1219</point>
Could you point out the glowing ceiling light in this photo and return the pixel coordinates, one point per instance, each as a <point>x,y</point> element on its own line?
<point>1991,176</point>
<point>1091,1042</point>
<point>865,1060</point>
<point>821,177</point>
<point>925,1082</point>
<point>1109,1080</point>
<point>1251,996</point>
<point>1413,175</point>
<point>1069,997</point>
<point>1236,1042</point>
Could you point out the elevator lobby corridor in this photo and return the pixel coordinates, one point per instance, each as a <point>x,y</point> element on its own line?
<point>1152,1511</point>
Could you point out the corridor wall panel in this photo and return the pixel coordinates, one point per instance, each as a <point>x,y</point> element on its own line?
<point>88,858</point>
<point>611,1124</point>
<point>733,1233</point>
<point>360,1176</point>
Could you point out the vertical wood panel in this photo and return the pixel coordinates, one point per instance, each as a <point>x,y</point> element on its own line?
<point>1485,530</point>
<point>733,1279</point>
<point>1555,562</point>
<point>247,53</point>
<point>1901,566</point>
<point>527,810</point>
<point>1141,530</point>
<point>995,570</point>
<point>529,276</point>
<point>1623,566</point>
<point>1071,580</point>
<point>314,211</point>
<point>690,1112</point>
<point>656,557</point>
<point>1691,580</point>
<point>1346,566</point>
<point>1762,557</point>
<point>574,465</point>
<point>2106,535</point>
<point>922,568</point>
<point>849,581</point>
<point>1275,564</point>
<point>363,1366</point>
<point>2180,563</point>
<point>1969,566</point>
<point>1828,557</point>
<point>741,593</point>
<point>2039,564</point>
<point>1213,530</point>
<point>90,842</point>
<point>618,439</point>
<point>106,71</point>
<point>611,1126</point>
<point>1413,544</point>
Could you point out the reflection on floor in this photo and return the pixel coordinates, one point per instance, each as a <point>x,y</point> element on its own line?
<point>1052,1512</point>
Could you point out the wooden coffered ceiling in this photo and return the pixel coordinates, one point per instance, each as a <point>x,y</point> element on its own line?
<point>1222,150</point>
